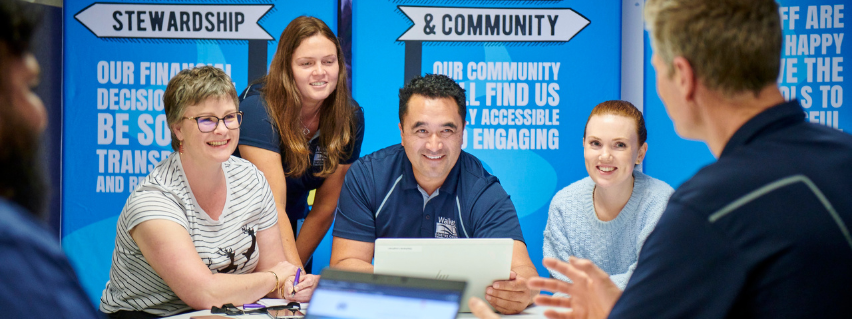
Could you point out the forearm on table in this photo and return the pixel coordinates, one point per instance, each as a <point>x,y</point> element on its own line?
<point>221,289</point>
<point>354,264</point>
<point>352,255</point>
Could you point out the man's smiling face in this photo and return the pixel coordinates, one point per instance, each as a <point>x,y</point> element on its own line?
<point>432,137</point>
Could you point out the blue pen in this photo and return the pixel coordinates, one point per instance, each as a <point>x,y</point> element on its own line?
<point>296,281</point>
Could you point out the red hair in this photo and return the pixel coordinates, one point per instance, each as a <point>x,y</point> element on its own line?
<point>621,108</point>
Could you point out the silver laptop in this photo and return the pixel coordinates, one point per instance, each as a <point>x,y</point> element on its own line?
<point>352,295</point>
<point>478,261</point>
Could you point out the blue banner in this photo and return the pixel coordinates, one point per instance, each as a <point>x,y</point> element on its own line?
<point>119,56</point>
<point>812,64</point>
<point>532,72</point>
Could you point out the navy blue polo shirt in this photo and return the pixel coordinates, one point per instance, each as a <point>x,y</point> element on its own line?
<point>258,130</point>
<point>37,279</point>
<point>761,233</point>
<point>380,198</point>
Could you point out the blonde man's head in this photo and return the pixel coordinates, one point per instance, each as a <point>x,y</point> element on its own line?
<point>733,46</point>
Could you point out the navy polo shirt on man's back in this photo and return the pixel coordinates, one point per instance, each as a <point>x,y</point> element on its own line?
<point>380,198</point>
<point>761,233</point>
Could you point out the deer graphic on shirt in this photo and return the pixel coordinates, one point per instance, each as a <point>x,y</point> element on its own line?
<point>250,231</point>
<point>230,254</point>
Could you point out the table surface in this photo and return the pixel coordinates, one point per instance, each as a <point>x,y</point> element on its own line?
<point>534,312</point>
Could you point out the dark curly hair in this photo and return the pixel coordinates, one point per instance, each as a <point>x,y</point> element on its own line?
<point>432,86</point>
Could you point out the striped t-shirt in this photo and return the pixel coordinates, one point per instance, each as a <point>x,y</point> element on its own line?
<point>227,245</point>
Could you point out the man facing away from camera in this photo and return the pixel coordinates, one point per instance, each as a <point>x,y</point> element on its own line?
<point>761,233</point>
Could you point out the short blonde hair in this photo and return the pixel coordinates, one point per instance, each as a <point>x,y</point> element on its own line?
<point>734,46</point>
<point>193,86</point>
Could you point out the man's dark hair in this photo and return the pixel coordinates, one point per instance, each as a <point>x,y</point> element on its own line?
<point>21,174</point>
<point>432,86</point>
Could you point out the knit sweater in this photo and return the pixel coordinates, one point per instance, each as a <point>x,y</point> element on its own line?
<point>573,228</point>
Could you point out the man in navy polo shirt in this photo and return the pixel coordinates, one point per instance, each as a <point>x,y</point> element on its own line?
<point>764,231</point>
<point>427,187</point>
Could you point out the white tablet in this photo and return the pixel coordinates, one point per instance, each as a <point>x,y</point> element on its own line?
<point>478,261</point>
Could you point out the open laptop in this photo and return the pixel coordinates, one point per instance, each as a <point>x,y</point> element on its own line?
<point>352,295</point>
<point>478,261</point>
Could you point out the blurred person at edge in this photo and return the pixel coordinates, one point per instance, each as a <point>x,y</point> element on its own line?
<point>37,280</point>
<point>761,233</point>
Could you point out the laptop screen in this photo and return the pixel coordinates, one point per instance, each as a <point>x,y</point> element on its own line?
<point>344,295</point>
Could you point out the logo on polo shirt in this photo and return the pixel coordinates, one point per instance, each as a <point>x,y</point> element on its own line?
<point>446,228</point>
<point>319,157</point>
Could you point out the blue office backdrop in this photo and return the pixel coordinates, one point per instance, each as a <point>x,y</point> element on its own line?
<point>119,56</point>
<point>532,70</point>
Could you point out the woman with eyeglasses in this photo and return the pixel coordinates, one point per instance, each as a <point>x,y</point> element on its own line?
<point>303,130</point>
<point>200,229</point>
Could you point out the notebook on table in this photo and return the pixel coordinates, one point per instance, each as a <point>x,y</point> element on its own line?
<point>477,261</point>
<point>352,295</point>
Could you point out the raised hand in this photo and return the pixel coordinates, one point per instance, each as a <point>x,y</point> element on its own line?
<point>592,293</point>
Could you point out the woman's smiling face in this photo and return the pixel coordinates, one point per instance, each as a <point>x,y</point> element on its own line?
<point>217,145</point>
<point>315,69</point>
<point>611,149</point>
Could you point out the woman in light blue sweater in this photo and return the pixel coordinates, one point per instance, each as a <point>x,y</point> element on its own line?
<point>607,216</point>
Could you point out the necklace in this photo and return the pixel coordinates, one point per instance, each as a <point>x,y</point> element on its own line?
<point>305,129</point>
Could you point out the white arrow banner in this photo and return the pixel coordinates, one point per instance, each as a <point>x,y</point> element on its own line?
<point>492,25</point>
<point>166,21</point>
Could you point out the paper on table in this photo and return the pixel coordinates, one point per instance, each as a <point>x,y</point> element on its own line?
<point>273,302</point>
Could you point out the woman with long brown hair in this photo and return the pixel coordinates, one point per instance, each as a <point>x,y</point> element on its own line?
<point>303,130</point>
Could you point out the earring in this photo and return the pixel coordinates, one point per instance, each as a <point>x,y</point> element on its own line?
<point>180,148</point>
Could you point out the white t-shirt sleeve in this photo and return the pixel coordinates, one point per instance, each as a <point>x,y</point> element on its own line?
<point>269,213</point>
<point>152,203</point>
